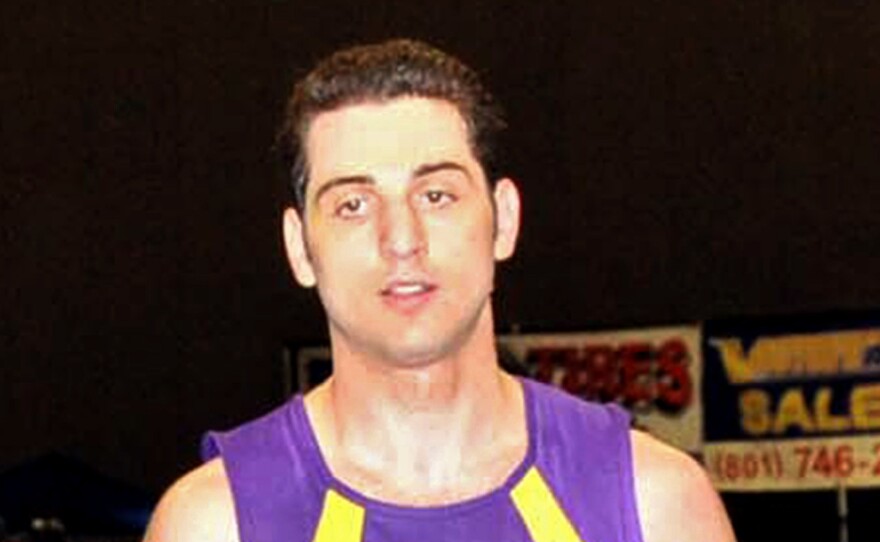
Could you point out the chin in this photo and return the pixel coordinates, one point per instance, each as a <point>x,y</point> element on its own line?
<point>411,348</point>
<point>412,344</point>
<point>419,350</point>
<point>414,357</point>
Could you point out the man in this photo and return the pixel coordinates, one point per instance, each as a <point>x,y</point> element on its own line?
<point>418,435</point>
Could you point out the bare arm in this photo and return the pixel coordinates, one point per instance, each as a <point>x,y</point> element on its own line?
<point>676,500</point>
<point>197,508</point>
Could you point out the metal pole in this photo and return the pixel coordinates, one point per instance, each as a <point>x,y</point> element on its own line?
<point>842,511</point>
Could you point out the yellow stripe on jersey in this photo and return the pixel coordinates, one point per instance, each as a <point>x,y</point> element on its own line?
<point>341,520</point>
<point>536,504</point>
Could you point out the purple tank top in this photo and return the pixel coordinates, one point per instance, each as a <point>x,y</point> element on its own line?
<point>574,485</point>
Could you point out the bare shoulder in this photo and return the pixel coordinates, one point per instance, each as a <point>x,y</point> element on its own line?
<point>676,500</point>
<point>198,507</point>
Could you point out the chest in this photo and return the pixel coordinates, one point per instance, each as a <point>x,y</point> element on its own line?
<point>433,485</point>
<point>529,512</point>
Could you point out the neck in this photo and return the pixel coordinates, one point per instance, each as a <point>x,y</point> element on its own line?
<point>425,426</point>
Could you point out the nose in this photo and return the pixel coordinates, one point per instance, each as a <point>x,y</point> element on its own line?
<point>402,234</point>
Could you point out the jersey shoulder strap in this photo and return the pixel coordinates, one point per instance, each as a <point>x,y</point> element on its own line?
<point>271,473</point>
<point>583,449</point>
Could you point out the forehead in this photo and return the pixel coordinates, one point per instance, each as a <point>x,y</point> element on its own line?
<point>398,135</point>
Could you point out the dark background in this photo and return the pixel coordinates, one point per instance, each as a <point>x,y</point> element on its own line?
<point>679,161</point>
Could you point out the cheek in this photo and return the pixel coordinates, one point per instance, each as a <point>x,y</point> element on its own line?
<point>342,256</point>
<point>477,236</point>
<point>467,248</point>
<point>343,278</point>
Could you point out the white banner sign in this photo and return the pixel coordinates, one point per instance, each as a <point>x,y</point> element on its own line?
<point>655,373</point>
<point>812,463</point>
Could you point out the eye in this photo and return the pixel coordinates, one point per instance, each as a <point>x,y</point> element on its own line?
<point>438,198</point>
<point>352,207</point>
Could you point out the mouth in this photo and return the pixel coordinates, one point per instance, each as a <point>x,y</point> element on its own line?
<point>407,288</point>
<point>408,296</point>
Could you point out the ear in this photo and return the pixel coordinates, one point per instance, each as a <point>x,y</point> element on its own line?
<point>297,252</point>
<point>507,217</point>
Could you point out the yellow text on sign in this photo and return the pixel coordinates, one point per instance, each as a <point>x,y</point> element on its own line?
<point>759,416</point>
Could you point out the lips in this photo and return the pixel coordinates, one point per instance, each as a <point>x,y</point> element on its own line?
<point>407,288</point>
<point>408,295</point>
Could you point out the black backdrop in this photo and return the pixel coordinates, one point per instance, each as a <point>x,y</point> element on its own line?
<point>679,161</point>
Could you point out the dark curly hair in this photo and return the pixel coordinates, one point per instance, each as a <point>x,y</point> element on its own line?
<point>378,73</point>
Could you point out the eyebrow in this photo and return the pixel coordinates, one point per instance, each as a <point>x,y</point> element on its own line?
<point>339,181</point>
<point>421,171</point>
<point>427,169</point>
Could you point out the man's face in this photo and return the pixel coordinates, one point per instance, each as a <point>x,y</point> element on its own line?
<point>399,233</point>
<point>398,229</point>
